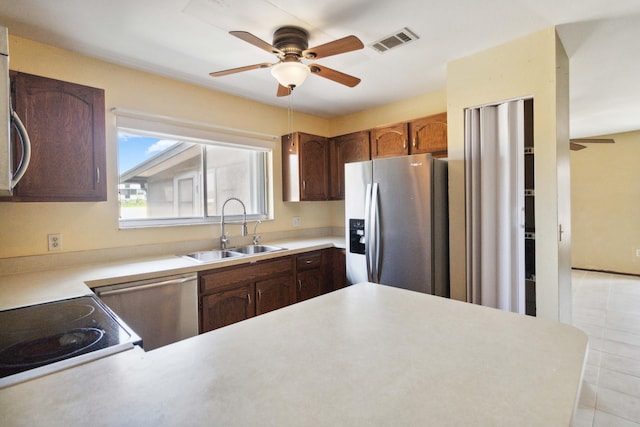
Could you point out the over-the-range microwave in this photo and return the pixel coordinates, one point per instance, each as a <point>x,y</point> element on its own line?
<point>9,120</point>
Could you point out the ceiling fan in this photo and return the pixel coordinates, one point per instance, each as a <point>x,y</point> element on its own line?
<point>576,144</point>
<point>291,45</point>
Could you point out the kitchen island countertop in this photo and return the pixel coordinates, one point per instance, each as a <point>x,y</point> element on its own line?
<point>364,355</point>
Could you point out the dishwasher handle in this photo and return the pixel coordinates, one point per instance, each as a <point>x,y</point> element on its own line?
<point>133,288</point>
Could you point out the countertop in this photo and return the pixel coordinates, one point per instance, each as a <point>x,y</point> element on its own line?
<point>363,355</point>
<point>23,289</point>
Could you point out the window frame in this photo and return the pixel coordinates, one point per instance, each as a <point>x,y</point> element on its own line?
<point>138,123</point>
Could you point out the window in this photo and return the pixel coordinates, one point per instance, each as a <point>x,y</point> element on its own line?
<point>175,178</point>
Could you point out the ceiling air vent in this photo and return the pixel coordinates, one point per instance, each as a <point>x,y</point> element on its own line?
<point>398,38</point>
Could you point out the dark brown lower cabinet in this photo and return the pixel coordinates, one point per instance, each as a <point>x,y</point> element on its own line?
<point>310,275</point>
<point>337,268</point>
<point>274,293</point>
<point>226,307</point>
<point>232,294</point>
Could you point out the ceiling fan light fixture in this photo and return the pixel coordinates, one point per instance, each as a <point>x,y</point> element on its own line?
<point>290,74</point>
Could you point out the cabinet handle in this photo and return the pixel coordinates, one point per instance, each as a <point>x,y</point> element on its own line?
<point>404,144</point>
<point>259,295</point>
<point>299,284</point>
<point>308,261</point>
<point>97,175</point>
<point>415,144</point>
<point>304,185</point>
<point>248,299</point>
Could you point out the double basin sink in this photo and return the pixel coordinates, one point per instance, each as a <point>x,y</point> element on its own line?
<point>220,254</point>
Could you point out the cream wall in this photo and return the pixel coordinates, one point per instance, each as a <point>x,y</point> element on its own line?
<point>537,66</point>
<point>605,200</point>
<point>404,110</point>
<point>24,226</point>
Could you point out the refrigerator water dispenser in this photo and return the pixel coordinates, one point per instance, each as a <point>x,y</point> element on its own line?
<point>356,236</point>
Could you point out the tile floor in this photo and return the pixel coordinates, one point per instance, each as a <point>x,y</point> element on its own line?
<point>607,307</point>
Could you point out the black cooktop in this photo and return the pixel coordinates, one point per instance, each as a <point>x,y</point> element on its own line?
<point>42,334</point>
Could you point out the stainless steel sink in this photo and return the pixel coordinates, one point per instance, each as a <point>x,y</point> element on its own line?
<point>255,249</point>
<point>220,254</point>
<point>212,255</point>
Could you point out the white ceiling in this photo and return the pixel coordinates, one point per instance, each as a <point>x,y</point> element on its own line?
<point>187,39</point>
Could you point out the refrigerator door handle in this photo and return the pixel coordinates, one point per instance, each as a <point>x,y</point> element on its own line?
<point>367,241</point>
<point>374,227</point>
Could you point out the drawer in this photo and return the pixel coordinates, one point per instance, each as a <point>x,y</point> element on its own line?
<point>218,280</point>
<point>276,266</point>
<point>215,280</point>
<point>309,260</point>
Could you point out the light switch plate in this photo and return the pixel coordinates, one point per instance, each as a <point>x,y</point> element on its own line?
<point>296,221</point>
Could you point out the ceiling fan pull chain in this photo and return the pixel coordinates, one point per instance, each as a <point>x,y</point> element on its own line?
<point>290,115</point>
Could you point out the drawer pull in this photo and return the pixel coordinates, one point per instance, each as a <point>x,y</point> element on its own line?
<point>308,261</point>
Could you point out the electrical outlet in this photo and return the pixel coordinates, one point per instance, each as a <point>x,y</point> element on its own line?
<point>296,221</point>
<point>55,241</point>
<point>637,252</point>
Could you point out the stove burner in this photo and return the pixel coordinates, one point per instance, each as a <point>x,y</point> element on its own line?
<point>48,314</point>
<point>49,349</point>
<point>43,338</point>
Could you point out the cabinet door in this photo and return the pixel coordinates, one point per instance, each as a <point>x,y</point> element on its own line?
<point>429,135</point>
<point>309,284</point>
<point>305,167</point>
<point>274,293</point>
<point>312,277</point>
<point>389,141</point>
<point>354,147</point>
<point>314,167</point>
<point>226,307</point>
<point>66,125</point>
<point>338,268</point>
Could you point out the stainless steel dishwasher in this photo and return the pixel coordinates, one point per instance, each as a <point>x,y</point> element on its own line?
<point>161,310</point>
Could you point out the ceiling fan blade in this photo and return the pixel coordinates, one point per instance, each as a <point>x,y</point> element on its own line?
<point>240,69</point>
<point>283,90</point>
<point>250,38</point>
<point>343,45</point>
<point>593,140</point>
<point>334,75</point>
<point>576,147</point>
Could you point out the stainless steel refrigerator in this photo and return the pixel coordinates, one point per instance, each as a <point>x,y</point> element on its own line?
<point>396,221</point>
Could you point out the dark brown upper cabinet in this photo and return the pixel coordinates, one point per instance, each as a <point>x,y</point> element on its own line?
<point>353,147</point>
<point>429,135</point>
<point>305,167</point>
<point>313,166</point>
<point>66,126</point>
<point>390,140</point>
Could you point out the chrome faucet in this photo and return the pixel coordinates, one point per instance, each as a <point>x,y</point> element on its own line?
<point>224,236</point>
<point>256,237</point>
